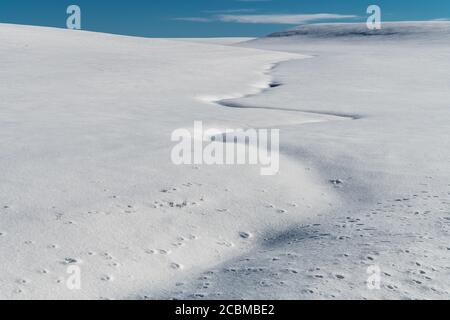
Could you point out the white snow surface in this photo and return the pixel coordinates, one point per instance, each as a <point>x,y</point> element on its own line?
<point>86,177</point>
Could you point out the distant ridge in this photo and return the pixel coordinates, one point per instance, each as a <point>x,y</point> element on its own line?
<point>351,30</point>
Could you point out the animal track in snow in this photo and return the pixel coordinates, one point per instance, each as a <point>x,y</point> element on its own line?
<point>159,251</point>
<point>176,266</point>
<point>71,261</point>
<point>225,243</point>
<point>107,278</point>
<point>168,190</point>
<point>23,281</point>
<point>336,182</point>
<point>245,235</point>
<point>107,256</point>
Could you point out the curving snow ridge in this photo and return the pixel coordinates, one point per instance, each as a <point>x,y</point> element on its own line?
<point>86,178</point>
<point>390,168</point>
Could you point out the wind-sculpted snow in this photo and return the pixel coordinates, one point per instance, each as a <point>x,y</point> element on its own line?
<point>242,105</point>
<point>390,169</point>
<point>86,180</point>
<point>87,185</point>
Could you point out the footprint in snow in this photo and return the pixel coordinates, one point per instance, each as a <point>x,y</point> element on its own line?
<point>176,266</point>
<point>336,182</point>
<point>23,281</point>
<point>245,235</point>
<point>71,261</point>
<point>159,251</point>
<point>107,278</point>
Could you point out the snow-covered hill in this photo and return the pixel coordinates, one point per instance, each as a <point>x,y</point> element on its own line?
<point>390,167</point>
<point>86,178</point>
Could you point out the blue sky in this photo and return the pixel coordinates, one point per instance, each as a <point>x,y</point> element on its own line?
<point>208,18</point>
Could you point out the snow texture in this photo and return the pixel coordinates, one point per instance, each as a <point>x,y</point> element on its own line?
<point>86,178</point>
